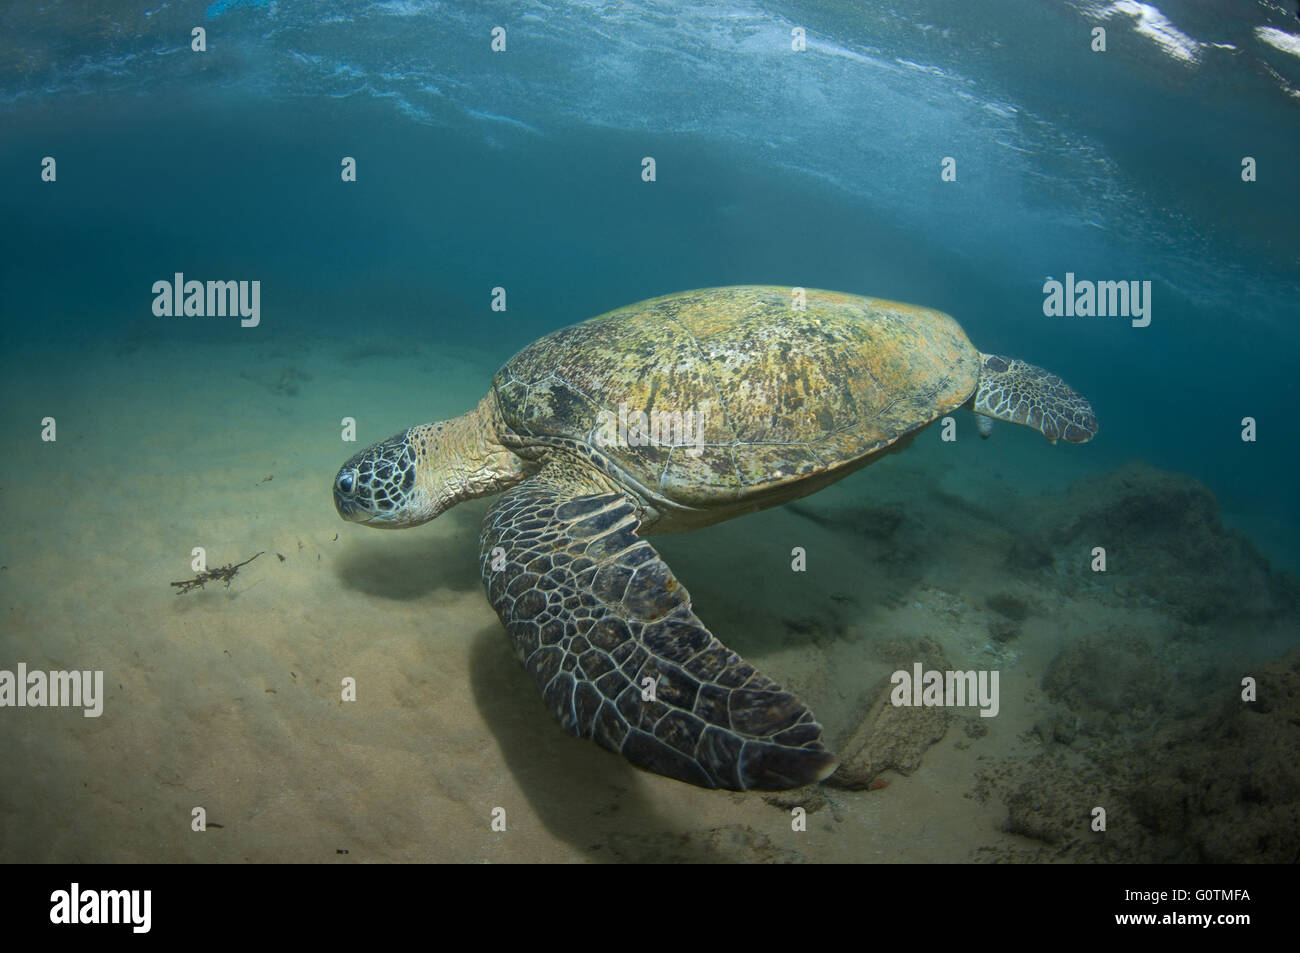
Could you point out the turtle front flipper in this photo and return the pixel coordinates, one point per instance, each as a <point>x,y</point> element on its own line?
<point>1012,390</point>
<point>597,617</point>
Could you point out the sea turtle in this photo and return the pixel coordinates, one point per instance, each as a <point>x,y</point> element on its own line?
<point>669,415</point>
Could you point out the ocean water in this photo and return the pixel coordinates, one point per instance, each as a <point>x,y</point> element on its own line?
<point>959,157</point>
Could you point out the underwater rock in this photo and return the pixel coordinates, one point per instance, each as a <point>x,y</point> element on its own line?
<point>1165,541</point>
<point>1112,682</point>
<point>1226,789</point>
<point>1010,606</point>
<point>1009,611</point>
<point>807,797</point>
<point>889,737</point>
<point>1029,554</point>
<point>1223,787</point>
<point>1043,812</point>
<point>1003,630</point>
<point>1057,726</point>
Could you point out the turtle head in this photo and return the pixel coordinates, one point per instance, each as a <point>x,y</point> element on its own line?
<point>418,474</point>
<point>380,487</point>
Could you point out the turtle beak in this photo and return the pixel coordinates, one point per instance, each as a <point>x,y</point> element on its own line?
<point>345,502</point>
<point>350,511</point>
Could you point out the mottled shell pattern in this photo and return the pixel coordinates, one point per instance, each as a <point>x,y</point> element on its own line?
<point>707,398</point>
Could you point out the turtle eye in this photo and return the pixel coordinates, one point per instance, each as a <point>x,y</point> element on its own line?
<point>345,482</point>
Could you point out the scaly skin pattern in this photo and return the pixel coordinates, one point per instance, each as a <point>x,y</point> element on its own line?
<point>596,616</point>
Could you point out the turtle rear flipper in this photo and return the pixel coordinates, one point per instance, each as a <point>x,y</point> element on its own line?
<point>596,616</point>
<point>1013,390</point>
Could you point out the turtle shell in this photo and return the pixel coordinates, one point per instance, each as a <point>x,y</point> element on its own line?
<point>779,394</point>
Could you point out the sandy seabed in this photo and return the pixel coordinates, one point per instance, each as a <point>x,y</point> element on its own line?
<point>229,699</point>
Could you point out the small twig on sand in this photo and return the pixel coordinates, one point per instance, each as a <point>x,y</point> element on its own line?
<point>225,574</point>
